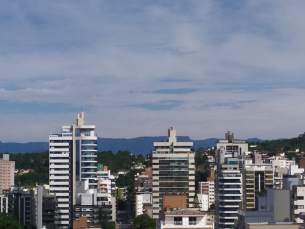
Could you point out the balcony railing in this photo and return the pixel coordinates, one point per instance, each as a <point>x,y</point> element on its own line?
<point>177,222</point>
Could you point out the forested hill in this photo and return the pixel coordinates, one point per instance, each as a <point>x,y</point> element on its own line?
<point>281,144</point>
<point>141,145</point>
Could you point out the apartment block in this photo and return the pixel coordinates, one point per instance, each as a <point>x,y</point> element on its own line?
<point>208,188</point>
<point>7,169</point>
<point>257,178</point>
<point>176,215</point>
<point>142,201</point>
<point>173,170</point>
<point>298,203</point>
<point>72,156</point>
<point>272,209</point>
<point>3,204</point>
<point>230,160</point>
<point>49,212</point>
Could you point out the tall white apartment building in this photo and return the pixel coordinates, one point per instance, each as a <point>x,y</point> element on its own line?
<point>228,180</point>
<point>72,157</point>
<point>173,171</point>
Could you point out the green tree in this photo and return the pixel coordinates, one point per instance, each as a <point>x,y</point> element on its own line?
<point>104,222</point>
<point>7,221</point>
<point>144,222</point>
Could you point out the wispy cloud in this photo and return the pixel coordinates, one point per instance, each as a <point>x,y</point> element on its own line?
<point>232,105</point>
<point>175,91</point>
<point>159,106</point>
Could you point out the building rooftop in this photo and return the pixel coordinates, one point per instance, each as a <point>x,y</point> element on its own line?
<point>188,211</point>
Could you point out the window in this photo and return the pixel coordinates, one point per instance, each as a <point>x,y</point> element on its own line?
<point>192,220</point>
<point>300,197</point>
<point>177,220</point>
<point>298,206</point>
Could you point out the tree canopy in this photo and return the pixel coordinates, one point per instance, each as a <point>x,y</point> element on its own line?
<point>7,221</point>
<point>144,221</point>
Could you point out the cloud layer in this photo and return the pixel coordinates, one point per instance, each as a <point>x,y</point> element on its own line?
<point>138,67</point>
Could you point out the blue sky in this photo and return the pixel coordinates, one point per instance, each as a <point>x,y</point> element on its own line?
<point>138,67</point>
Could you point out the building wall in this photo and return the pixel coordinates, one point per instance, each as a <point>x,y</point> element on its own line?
<point>175,201</point>
<point>7,169</point>
<point>142,199</point>
<point>299,202</point>
<point>169,222</point>
<point>72,156</point>
<point>3,204</point>
<point>173,171</point>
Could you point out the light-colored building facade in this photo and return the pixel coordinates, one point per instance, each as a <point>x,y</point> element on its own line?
<point>140,201</point>
<point>7,169</point>
<point>257,178</point>
<point>184,219</point>
<point>228,179</point>
<point>281,166</point>
<point>173,171</point>
<point>208,188</point>
<point>274,208</point>
<point>72,156</point>
<point>3,204</point>
<point>298,202</point>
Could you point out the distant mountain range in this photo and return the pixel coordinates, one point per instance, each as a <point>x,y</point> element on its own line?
<point>140,145</point>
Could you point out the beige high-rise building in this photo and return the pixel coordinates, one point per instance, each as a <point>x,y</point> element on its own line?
<point>7,169</point>
<point>173,171</point>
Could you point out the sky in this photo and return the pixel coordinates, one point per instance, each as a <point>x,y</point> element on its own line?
<point>137,67</point>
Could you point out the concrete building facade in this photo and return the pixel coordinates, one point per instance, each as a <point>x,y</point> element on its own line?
<point>228,179</point>
<point>173,170</point>
<point>208,188</point>
<point>72,156</point>
<point>7,169</point>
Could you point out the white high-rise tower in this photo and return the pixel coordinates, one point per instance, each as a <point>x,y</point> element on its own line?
<point>72,156</point>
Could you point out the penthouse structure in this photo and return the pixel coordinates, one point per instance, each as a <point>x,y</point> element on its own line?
<point>173,171</point>
<point>72,159</point>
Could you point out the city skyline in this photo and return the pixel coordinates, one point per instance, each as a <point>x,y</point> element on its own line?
<point>137,68</point>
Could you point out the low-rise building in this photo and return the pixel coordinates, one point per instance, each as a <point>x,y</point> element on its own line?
<point>275,207</point>
<point>142,201</point>
<point>183,218</point>
<point>175,215</point>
